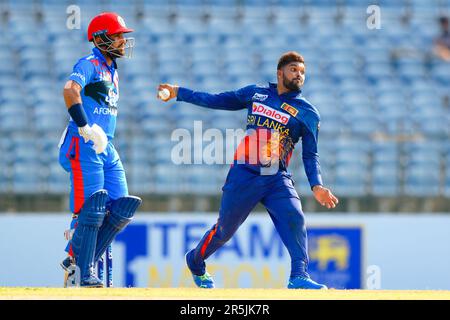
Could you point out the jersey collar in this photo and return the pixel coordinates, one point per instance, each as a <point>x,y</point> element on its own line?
<point>96,51</point>
<point>290,94</point>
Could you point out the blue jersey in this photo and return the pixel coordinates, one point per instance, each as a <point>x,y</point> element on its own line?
<point>289,115</point>
<point>100,91</point>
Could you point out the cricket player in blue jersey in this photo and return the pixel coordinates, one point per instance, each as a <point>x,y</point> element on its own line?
<point>99,197</point>
<point>278,118</point>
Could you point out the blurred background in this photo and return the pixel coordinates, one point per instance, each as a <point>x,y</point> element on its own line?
<point>383,94</point>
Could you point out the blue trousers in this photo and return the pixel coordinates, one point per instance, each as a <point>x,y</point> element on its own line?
<point>242,191</point>
<point>90,172</point>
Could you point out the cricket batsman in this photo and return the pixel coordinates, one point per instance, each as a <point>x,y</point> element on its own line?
<point>99,197</point>
<point>278,117</point>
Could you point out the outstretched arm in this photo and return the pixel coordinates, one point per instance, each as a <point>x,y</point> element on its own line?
<point>230,100</point>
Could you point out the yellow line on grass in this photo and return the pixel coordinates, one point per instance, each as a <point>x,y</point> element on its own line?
<point>218,294</point>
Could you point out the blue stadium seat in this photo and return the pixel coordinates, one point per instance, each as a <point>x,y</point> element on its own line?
<point>422,179</point>
<point>14,122</point>
<point>141,178</point>
<point>385,153</point>
<point>57,180</point>
<point>385,179</point>
<point>26,178</point>
<point>169,178</point>
<point>447,179</point>
<point>350,179</point>
<point>202,179</point>
<point>363,126</point>
<point>362,91</point>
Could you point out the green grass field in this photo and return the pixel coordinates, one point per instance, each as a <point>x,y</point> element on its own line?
<point>217,294</point>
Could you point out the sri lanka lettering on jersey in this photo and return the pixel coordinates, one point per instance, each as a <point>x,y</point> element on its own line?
<point>281,120</point>
<point>258,121</point>
<point>271,144</point>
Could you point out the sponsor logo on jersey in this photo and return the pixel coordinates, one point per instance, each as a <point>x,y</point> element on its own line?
<point>78,75</point>
<point>112,98</point>
<point>259,97</point>
<point>290,109</point>
<point>263,110</point>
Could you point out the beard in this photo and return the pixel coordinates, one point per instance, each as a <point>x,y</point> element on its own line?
<point>292,85</point>
<point>116,53</point>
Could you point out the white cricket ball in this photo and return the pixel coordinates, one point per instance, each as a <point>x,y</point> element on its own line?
<point>164,94</point>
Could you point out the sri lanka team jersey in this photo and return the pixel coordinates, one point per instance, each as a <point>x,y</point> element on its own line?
<point>100,92</point>
<point>275,123</point>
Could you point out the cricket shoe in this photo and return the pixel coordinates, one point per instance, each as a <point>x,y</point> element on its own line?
<point>72,279</point>
<point>72,276</point>
<point>305,283</point>
<point>91,282</point>
<point>67,263</point>
<point>204,281</point>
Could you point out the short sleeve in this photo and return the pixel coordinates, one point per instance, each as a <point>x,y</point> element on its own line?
<point>82,72</point>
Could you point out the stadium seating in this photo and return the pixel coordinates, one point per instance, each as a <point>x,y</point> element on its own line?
<point>384,102</point>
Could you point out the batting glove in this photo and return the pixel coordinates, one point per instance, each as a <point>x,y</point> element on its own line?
<point>96,135</point>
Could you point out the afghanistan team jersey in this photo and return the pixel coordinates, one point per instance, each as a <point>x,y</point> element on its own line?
<point>275,123</point>
<point>100,91</point>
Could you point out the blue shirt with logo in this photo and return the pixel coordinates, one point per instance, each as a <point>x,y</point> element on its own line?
<point>100,91</point>
<point>290,116</point>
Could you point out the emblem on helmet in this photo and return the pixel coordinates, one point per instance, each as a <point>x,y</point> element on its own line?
<point>121,21</point>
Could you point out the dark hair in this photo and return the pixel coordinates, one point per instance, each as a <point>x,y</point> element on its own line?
<point>443,20</point>
<point>289,57</point>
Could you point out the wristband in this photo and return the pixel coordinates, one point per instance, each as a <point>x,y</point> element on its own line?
<point>78,114</point>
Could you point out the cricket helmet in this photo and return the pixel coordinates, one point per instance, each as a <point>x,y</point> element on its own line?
<point>107,23</point>
<point>103,26</point>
